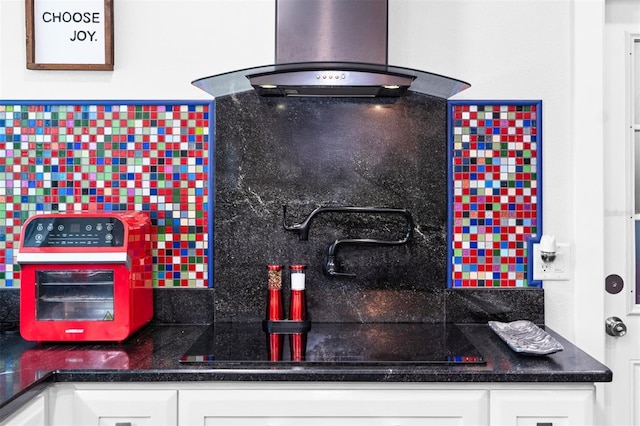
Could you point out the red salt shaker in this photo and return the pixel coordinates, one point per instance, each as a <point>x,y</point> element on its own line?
<point>297,306</point>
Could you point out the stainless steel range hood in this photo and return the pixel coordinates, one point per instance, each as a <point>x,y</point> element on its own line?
<point>334,48</point>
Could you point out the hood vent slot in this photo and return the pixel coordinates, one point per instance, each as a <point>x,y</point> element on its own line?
<point>329,79</point>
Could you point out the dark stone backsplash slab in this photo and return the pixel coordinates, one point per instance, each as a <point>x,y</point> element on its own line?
<point>183,306</point>
<point>9,304</point>
<point>458,306</point>
<point>478,306</point>
<point>306,153</point>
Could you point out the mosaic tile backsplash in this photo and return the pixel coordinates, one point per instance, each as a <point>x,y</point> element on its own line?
<point>106,156</point>
<point>495,191</point>
<point>154,156</point>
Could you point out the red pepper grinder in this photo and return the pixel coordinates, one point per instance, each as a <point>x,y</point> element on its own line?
<point>297,311</point>
<point>274,310</point>
<point>274,297</point>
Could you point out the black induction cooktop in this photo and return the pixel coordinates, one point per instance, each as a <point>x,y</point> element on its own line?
<point>335,343</point>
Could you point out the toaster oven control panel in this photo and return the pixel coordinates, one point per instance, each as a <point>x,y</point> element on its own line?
<point>74,232</point>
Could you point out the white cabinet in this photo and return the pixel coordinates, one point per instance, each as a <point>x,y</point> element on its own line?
<point>331,405</point>
<point>111,404</point>
<point>31,414</point>
<point>388,404</point>
<point>523,407</point>
<point>310,404</point>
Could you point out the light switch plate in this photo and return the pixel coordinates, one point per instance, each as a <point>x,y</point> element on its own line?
<point>558,270</point>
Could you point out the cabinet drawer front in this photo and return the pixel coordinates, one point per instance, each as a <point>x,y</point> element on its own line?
<point>138,407</point>
<point>329,407</point>
<point>329,421</point>
<point>542,407</point>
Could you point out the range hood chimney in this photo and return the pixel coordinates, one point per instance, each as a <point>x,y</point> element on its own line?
<point>334,48</point>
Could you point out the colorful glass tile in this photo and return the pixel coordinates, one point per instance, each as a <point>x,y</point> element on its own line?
<point>155,157</point>
<point>110,156</point>
<point>495,200</point>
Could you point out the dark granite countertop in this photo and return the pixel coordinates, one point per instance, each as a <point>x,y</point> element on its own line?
<point>152,355</point>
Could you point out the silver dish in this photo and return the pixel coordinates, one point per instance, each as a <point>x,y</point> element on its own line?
<point>526,337</point>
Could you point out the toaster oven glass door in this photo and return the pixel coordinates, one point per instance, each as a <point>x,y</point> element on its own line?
<point>86,295</point>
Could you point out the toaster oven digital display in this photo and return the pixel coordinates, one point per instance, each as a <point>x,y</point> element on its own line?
<point>74,232</point>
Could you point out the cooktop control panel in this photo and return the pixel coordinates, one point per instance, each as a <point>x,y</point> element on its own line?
<point>74,232</point>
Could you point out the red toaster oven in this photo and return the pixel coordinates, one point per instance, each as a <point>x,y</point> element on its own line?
<point>85,276</point>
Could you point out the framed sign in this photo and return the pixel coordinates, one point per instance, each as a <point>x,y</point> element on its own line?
<point>69,34</point>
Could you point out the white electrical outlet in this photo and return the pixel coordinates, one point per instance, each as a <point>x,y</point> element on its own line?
<point>558,270</point>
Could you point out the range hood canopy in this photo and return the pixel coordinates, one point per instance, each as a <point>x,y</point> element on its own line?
<point>334,48</point>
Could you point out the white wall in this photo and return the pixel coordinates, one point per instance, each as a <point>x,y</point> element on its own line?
<point>160,47</point>
<point>527,49</point>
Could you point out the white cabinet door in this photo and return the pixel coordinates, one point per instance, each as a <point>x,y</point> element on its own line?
<point>332,407</point>
<point>32,414</point>
<point>537,407</point>
<point>152,407</point>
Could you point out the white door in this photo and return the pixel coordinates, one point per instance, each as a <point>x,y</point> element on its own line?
<point>622,207</point>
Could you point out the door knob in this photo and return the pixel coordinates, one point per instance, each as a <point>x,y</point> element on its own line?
<point>615,327</point>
